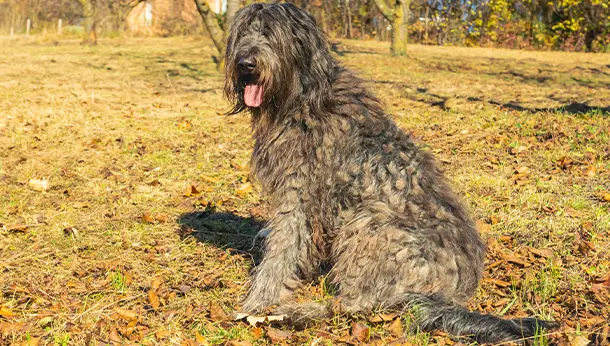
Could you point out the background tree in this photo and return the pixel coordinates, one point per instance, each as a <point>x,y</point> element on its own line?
<point>397,12</point>
<point>89,14</point>
<point>218,27</point>
<point>571,25</point>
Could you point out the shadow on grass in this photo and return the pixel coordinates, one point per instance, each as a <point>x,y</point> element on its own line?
<point>571,108</point>
<point>425,96</point>
<point>224,230</point>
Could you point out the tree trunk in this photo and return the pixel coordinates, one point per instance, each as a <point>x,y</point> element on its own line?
<point>323,20</point>
<point>398,15</point>
<point>426,21</point>
<point>211,24</point>
<point>348,20</point>
<point>400,28</point>
<point>90,36</point>
<point>590,36</point>
<point>532,19</point>
<point>232,8</point>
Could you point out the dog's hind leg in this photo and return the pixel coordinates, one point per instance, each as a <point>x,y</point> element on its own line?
<point>374,260</point>
<point>289,257</point>
<point>407,271</point>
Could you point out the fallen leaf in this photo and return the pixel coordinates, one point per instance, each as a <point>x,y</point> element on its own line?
<point>242,167</point>
<point>6,312</point>
<point>523,170</point>
<point>500,302</point>
<point>127,330</point>
<point>163,248</point>
<point>70,232</point>
<point>93,142</point>
<point>360,331</point>
<point>497,282</point>
<point>161,217</point>
<point>128,278</point>
<point>517,150</point>
<point>114,336</point>
<point>244,189</point>
<point>590,171</point>
<point>171,296</point>
<point>184,289</point>
<point>578,340</point>
<point>80,205</point>
<point>606,197</point>
<point>522,182</point>
<point>565,162</point>
<point>153,299</point>
<point>184,124</point>
<point>571,212</point>
<point>483,227</point>
<point>546,253</point>
<point>595,320</point>
<point>125,314</point>
<point>154,182</point>
<point>162,334</point>
<point>217,314</point>
<point>494,220</point>
<point>45,321</point>
<point>505,238</point>
<point>200,340</point>
<point>40,185</point>
<point>209,179</point>
<point>514,259</point>
<point>238,343</point>
<point>31,341</point>
<point>584,246</point>
<point>18,228</point>
<point>277,335</point>
<point>147,217</point>
<point>254,320</point>
<point>155,284</point>
<point>186,204</point>
<point>549,209</point>
<point>191,191</point>
<point>12,328</point>
<point>257,333</point>
<point>395,328</point>
<point>169,314</point>
<point>383,317</point>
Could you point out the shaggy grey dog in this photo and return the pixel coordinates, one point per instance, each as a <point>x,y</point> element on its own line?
<point>348,188</point>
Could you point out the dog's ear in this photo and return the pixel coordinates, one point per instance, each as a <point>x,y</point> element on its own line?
<point>315,63</point>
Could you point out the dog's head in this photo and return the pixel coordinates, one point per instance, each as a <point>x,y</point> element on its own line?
<point>277,59</point>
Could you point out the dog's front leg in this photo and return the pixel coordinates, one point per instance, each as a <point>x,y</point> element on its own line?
<point>288,258</point>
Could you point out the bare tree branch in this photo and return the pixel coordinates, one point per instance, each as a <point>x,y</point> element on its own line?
<point>385,9</point>
<point>232,8</point>
<point>211,24</point>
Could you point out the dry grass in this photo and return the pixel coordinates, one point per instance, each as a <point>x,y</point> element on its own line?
<point>124,129</point>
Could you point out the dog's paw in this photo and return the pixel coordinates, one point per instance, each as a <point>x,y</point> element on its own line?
<point>258,303</point>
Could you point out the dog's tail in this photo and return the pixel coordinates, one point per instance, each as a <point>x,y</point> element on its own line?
<point>431,313</point>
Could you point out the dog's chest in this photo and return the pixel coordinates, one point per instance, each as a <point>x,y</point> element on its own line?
<point>294,157</point>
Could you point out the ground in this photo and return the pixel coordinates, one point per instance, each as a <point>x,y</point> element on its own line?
<point>127,214</point>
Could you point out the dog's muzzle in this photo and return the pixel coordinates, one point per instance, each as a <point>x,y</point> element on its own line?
<point>246,65</point>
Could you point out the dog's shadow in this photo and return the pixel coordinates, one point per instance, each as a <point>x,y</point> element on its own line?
<point>224,230</point>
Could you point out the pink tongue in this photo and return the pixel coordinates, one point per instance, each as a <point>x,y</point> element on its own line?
<point>253,95</point>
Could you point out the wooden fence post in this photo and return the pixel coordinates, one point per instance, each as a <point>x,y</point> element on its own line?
<point>28,25</point>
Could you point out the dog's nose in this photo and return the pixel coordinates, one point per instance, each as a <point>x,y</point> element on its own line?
<point>246,65</point>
